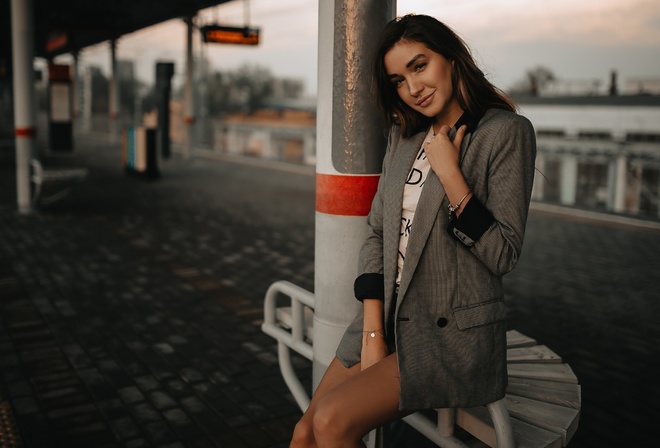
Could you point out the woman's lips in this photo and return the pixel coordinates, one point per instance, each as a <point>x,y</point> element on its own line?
<point>425,100</point>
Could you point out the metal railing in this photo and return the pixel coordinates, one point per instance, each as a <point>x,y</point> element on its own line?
<point>291,327</point>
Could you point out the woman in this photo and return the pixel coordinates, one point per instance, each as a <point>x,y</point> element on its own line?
<point>446,224</point>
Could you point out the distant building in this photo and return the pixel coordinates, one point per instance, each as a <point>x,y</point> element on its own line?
<point>598,152</point>
<point>642,86</point>
<point>286,133</point>
<point>572,87</point>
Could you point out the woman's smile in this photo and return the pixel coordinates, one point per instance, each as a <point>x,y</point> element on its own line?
<point>425,100</point>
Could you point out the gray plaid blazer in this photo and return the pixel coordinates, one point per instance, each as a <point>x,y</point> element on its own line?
<point>447,322</point>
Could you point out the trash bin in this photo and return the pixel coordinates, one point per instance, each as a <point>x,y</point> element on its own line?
<point>139,153</point>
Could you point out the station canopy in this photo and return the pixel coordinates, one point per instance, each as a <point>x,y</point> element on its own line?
<point>64,26</point>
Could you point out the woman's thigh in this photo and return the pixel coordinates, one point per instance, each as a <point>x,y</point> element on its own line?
<point>362,401</point>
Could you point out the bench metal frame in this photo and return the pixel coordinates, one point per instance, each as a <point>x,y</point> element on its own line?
<point>65,178</point>
<point>291,327</point>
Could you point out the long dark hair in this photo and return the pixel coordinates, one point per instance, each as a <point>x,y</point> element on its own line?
<point>472,90</point>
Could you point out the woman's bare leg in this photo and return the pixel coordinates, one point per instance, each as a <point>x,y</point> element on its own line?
<point>335,374</point>
<point>349,403</point>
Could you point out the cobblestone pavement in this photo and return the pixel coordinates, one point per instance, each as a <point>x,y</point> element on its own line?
<point>130,310</point>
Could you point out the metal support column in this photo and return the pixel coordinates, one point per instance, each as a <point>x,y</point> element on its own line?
<point>114,93</point>
<point>77,97</point>
<point>350,146</point>
<point>87,100</point>
<point>188,114</point>
<point>22,38</point>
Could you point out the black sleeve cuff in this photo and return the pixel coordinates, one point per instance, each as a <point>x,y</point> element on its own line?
<point>369,286</point>
<point>472,224</point>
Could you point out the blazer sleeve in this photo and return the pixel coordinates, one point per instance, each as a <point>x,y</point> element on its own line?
<point>370,280</point>
<point>509,188</point>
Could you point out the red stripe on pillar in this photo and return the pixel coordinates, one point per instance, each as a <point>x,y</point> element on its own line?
<point>345,195</point>
<point>26,132</point>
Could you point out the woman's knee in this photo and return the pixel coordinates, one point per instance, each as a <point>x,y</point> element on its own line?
<point>303,434</point>
<point>329,423</point>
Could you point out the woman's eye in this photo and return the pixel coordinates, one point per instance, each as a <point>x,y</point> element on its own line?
<point>420,66</point>
<point>397,82</point>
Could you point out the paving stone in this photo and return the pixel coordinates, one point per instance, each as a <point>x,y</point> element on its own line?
<point>137,443</point>
<point>125,428</point>
<point>145,413</point>
<point>130,395</point>
<point>161,399</point>
<point>25,405</point>
<point>159,433</point>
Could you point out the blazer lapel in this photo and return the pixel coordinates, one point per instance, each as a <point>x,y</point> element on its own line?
<point>398,172</point>
<point>426,215</point>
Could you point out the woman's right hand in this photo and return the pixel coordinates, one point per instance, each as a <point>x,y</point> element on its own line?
<point>373,349</point>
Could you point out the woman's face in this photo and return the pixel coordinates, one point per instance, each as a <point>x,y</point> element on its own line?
<point>422,79</point>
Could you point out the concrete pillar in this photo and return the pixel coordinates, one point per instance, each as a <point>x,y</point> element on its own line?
<point>620,183</point>
<point>77,96</point>
<point>22,37</point>
<point>113,93</point>
<point>87,100</point>
<point>350,145</point>
<point>568,178</point>
<point>188,110</point>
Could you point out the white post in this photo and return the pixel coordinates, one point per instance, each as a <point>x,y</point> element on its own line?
<point>350,144</point>
<point>113,93</point>
<point>22,37</point>
<point>568,179</point>
<point>188,114</point>
<point>620,184</point>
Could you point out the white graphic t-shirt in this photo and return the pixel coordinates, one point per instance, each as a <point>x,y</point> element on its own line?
<point>411,192</point>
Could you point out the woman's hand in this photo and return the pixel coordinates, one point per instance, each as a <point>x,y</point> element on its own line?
<point>443,156</point>
<point>443,153</point>
<point>373,349</point>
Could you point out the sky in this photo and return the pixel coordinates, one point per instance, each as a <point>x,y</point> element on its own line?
<point>577,40</point>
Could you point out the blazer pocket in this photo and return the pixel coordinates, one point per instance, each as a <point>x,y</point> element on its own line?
<point>480,314</point>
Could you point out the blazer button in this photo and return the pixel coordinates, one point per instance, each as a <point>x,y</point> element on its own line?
<point>442,322</point>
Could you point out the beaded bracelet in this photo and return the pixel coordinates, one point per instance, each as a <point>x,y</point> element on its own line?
<point>454,208</point>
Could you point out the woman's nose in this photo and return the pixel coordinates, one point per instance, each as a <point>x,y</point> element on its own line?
<point>415,87</point>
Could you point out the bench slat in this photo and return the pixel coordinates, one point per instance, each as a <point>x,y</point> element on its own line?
<point>535,354</point>
<point>552,417</point>
<point>477,422</point>
<point>542,371</point>
<point>563,394</point>
<point>66,175</point>
<point>514,339</point>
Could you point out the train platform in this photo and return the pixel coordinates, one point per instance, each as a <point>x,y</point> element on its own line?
<point>130,310</point>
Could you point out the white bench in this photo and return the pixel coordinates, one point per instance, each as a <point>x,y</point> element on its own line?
<point>59,180</point>
<point>541,408</point>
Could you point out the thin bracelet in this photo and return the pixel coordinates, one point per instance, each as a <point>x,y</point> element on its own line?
<point>454,208</point>
<point>372,334</point>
